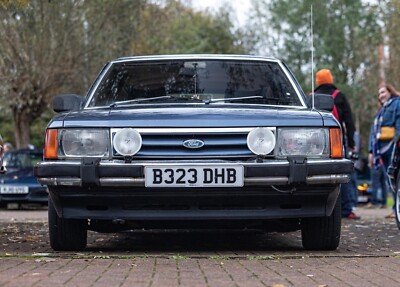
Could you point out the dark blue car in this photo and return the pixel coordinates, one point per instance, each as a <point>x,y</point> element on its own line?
<point>18,185</point>
<point>186,141</point>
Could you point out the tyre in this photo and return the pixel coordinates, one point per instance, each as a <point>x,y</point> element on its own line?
<point>397,201</point>
<point>66,234</point>
<point>322,233</point>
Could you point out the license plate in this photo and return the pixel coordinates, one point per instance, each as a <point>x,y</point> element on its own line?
<point>13,189</point>
<point>193,176</point>
<point>362,198</point>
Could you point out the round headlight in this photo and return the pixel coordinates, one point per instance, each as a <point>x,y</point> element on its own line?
<point>261,141</point>
<point>127,142</point>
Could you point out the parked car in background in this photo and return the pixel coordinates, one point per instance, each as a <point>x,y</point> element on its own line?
<point>19,186</point>
<point>364,186</point>
<point>194,141</point>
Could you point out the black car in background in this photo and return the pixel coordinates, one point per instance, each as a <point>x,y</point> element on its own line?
<point>18,185</point>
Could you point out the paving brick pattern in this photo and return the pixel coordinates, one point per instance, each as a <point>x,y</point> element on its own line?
<point>369,255</point>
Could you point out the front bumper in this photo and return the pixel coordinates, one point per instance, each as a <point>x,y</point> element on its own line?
<point>94,189</point>
<point>93,172</point>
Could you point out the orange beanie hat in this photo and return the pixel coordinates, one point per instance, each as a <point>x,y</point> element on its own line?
<point>323,76</point>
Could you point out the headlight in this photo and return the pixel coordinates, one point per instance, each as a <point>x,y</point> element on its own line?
<point>84,142</point>
<point>127,142</point>
<point>310,142</point>
<point>261,141</point>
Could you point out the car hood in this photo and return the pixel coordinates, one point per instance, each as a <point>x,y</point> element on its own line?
<point>21,176</point>
<point>191,117</point>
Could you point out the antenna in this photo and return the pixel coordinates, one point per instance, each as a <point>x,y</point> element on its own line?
<point>312,57</point>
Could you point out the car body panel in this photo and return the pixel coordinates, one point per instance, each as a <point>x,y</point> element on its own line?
<point>191,117</point>
<point>113,187</point>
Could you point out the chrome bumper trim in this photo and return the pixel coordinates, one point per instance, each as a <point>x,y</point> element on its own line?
<point>249,181</point>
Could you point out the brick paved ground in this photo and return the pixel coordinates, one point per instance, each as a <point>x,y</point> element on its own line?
<point>369,255</point>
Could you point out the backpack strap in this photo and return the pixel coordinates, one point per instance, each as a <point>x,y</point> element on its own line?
<point>335,93</point>
<point>335,111</point>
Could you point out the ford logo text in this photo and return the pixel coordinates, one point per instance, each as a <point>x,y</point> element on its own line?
<point>193,143</point>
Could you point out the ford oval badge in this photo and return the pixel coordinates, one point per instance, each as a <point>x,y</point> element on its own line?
<point>193,143</point>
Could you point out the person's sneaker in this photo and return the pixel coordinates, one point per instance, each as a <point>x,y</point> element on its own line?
<point>352,216</point>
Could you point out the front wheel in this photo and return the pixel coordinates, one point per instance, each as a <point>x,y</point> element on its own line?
<point>66,234</point>
<point>322,233</point>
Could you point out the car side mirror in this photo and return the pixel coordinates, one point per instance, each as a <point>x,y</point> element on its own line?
<point>323,102</point>
<point>67,102</point>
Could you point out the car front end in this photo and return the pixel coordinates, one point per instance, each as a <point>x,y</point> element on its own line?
<point>250,150</point>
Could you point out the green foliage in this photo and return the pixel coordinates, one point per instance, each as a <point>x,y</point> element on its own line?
<point>7,130</point>
<point>346,37</point>
<point>178,29</point>
<point>391,10</point>
<point>51,47</point>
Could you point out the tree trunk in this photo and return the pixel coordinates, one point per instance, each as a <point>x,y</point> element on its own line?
<point>22,132</point>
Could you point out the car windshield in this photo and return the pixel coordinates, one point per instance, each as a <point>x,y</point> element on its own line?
<point>22,159</point>
<point>194,82</point>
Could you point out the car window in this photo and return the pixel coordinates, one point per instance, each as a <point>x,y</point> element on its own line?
<point>195,82</point>
<point>20,160</point>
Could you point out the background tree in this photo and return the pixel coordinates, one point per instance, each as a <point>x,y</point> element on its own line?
<point>50,47</point>
<point>391,10</point>
<point>346,38</point>
<point>37,54</point>
<point>177,28</point>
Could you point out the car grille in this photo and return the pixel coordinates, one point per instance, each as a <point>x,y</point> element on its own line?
<point>218,143</point>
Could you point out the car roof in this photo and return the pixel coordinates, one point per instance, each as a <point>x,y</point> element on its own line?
<point>195,56</point>
<point>31,151</point>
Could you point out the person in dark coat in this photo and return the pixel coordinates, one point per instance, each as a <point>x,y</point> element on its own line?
<point>324,81</point>
<point>343,114</point>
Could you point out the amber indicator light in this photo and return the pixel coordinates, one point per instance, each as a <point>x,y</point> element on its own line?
<point>336,143</point>
<point>50,147</point>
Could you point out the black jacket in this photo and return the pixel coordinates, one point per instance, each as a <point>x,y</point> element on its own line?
<point>343,109</point>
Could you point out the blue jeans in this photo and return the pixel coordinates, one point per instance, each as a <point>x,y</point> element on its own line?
<point>387,159</point>
<point>379,186</point>
<point>348,191</point>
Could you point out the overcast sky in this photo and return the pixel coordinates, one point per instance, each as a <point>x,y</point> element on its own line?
<point>241,7</point>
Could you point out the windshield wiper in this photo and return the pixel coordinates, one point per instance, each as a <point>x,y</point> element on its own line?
<point>233,99</point>
<point>282,101</point>
<point>174,97</point>
<point>122,103</point>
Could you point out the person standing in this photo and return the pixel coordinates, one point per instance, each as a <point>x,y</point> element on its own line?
<point>2,169</point>
<point>378,176</point>
<point>385,129</point>
<point>342,112</point>
<point>379,185</point>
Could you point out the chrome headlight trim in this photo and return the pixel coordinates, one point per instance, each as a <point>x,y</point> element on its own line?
<point>308,142</point>
<point>83,142</point>
<point>127,141</point>
<point>261,141</point>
